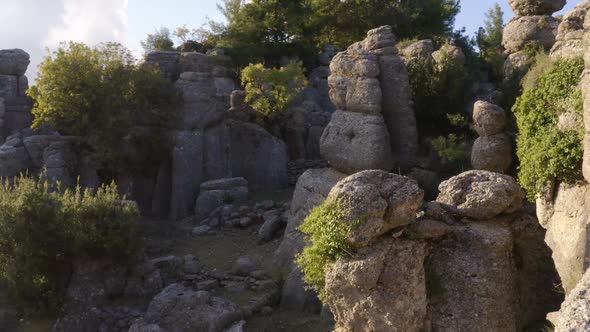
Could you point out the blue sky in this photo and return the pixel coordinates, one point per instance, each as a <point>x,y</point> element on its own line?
<point>35,25</point>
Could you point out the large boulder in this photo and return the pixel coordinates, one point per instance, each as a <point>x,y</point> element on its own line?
<point>258,156</point>
<point>522,30</point>
<point>566,217</point>
<point>570,33</point>
<point>421,50</point>
<point>488,119</point>
<point>186,172</point>
<point>449,52</point>
<point>516,65</point>
<point>536,7</point>
<point>13,62</point>
<point>200,109</point>
<point>216,193</point>
<point>472,280</point>
<point>168,62</point>
<point>574,314</point>
<point>380,288</point>
<point>181,309</point>
<point>492,153</point>
<point>380,201</point>
<point>353,142</point>
<point>481,195</point>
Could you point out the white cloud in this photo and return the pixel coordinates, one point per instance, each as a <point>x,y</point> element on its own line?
<point>34,25</point>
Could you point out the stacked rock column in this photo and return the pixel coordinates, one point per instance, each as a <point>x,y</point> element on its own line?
<point>533,24</point>
<point>15,107</point>
<point>492,151</point>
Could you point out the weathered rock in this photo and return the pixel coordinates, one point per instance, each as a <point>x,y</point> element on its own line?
<point>354,142</point>
<point>379,39</point>
<point>570,33</point>
<point>449,52</point>
<point>187,172</point>
<point>168,62</point>
<point>361,95</point>
<point>573,315</point>
<point>522,30</point>
<point>398,111</point>
<point>178,308</point>
<point>569,121</point>
<point>243,266</point>
<point>536,7</point>
<point>258,156</point>
<point>380,288</point>
<point>272,225</point>
<point>481,195</point>
<point>13,160</point>
<point>516,65</point>
<point>471,272</point>
<point>421,50</point>
<point>13,62</point>
<point>8,86</point>
<point>492,153</point>
<point>488,119</point>
<point>59,163</point>
<point>216,193</point>
<point>380,201</point>
<point>196,62</point>
<point>200,109</point>
<point>566,218</point>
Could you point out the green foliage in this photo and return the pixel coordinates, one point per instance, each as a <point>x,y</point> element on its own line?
<point>450,148</point>
<point>271,90</point>
<point>439,91</point>
<point>99,94</point>
<point>327,231</point>
<point>160,40</point>
<point>42,232</point>
<point>546,153</point>
<point>489,40</point>
<point>265,30</point>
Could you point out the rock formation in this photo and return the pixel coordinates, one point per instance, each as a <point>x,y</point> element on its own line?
<point>533,25</point>
<point>570,33</point>
<point>474,260</point>
<point>15,106</point>
<point>573,315</point>
<point>373,128</point>
<point>492,151</point>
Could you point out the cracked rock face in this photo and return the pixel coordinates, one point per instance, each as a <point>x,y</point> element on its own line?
<point>380,201</point>
<point>481,195</point>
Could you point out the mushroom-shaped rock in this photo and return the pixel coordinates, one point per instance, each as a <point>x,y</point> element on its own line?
<point>488,119</point>
<point>353,142</point>
<point>13,62</point>
<point>481,195</point>
<point>536,7</point>
<point>379,201</point>
<point>522,30</point>
<point>421,49</point>
<point>492,153</point>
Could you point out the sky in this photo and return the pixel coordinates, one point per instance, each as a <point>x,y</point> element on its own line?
<point>38,25</point>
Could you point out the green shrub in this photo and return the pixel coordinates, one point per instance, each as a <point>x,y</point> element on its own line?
<point>545,153</point>
<point>42,232</point>
<point>327,232</point>
<point>270,91</point>
<point>450,148</point>
<point>100,94</point>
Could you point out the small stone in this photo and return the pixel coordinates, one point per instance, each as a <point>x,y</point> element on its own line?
<point>243,266</point>
<point>201,230</point>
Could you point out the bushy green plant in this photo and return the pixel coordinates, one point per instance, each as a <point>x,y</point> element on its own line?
<point>450,148</point>
<point>100,93</point>
<point>489,40</point>
<point>160,40</point>
<point>327,232</point>
<point>546,153</point>
<point>42,232</point>
<point>271,90</point>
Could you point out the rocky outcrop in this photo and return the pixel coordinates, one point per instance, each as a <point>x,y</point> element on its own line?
<point>573,315</point>
<point>378,201</point>
<point>15,114</point>
<point>371,79</point>
<point>420,50</point>
<point>381,288</point>
<point>492,151</point>
<point>570,33</point>
<point>536,7</point>
<point>178,308</point>
<point>216,193</point>
<point>481,195</point>
<point>526,29</point>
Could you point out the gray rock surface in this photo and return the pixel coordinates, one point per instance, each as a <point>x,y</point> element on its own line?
<point>575,311</point>
<point>186,172</point>
<point>421,50</point>
<point>380,201</point>
<point>13,62</point>
<point>516,65</point>
<point>569,39</point>
<point>525,29</point>
<point>492,153</point>
<point>481,195</point>
<point>353,142</point>
<point>536,7</point>
<point>216,193</point>
<point>380,288</point>
<point>488,119</point>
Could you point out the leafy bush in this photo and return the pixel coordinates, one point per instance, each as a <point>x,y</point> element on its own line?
<point>42,232</point>
<point>271,90</point>
<point>99,94</point>
<point>450,148</point>
<point>489,40</point>
<point>546,153</point>
<point>328,232</point>
<point>160,40</point>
